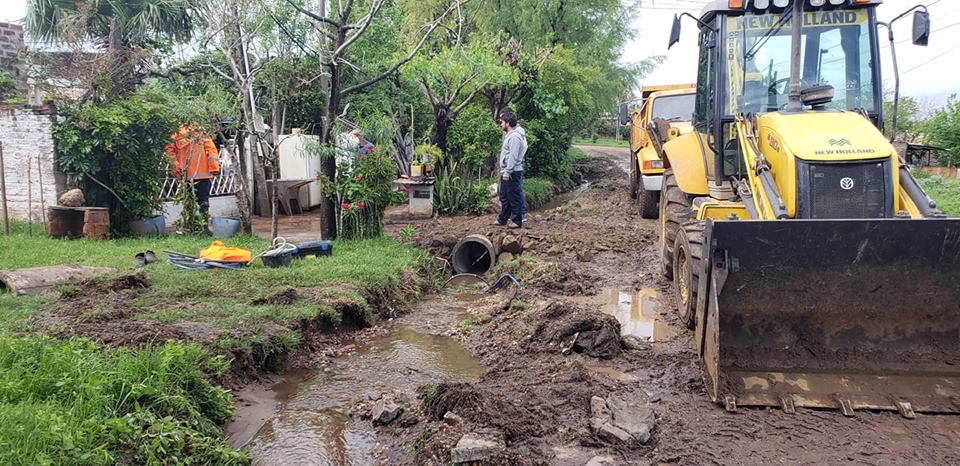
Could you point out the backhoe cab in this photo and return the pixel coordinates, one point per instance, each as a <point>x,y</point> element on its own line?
<point>813,267</point>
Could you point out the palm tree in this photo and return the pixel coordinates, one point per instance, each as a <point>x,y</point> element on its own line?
<point>128,31</point>
<point>129,23</point>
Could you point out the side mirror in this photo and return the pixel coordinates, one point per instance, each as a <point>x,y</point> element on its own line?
<point>624,114</point>
<point>921,28</point>
<point>675,32</point>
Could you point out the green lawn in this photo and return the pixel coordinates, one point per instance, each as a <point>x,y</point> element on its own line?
<point>602,142</point>
<point>945,191</point>
<point>220,297</point>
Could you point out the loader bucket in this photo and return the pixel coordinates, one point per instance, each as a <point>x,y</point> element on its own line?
<point>840,314</point>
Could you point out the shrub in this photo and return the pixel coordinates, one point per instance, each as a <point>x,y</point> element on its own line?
<point>538,191</point>
<point>546,155</point>
<point>118,145</point>
<point>457,193</point>
<point>474,138</point>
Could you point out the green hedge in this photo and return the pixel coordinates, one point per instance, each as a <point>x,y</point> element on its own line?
<point>539,191</point>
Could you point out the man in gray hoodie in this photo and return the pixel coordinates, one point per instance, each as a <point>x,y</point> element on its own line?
<point>512,199</point>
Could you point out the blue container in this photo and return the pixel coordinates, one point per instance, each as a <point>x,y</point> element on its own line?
<point>225,227</point>
<point>314,249</point>
<point>156,225</point>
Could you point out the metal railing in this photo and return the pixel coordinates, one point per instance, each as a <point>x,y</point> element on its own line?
<point>224,184</point>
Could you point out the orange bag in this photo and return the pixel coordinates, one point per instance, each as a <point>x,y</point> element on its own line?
<point>219,252</point>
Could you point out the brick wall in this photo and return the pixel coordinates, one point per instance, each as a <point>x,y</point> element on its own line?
<point>11,46</point>
<point>25,133</point>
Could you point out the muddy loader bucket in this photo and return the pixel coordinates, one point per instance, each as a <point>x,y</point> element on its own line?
<point>842,314</point>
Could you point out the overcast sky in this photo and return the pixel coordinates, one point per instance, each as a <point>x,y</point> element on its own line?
<point>925,71</point>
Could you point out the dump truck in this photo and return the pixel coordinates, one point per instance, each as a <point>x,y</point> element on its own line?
<point>812,267</point>
<point>664,112</point>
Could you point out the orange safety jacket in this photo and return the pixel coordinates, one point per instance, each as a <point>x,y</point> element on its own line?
<point>195,151</point>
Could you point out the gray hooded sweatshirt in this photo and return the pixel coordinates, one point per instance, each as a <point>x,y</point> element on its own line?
<point>512,151</point>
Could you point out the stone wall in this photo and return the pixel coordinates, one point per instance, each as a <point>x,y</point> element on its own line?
<point>25,135</point>
<point>11,46</point>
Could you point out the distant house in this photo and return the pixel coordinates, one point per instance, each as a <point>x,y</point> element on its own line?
<point>12,48</point>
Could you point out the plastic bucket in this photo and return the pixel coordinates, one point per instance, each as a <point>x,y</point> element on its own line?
<point>225,227</point>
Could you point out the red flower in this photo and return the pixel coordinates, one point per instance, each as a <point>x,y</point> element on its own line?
<point>360,205</point>
<point>345,206</point>
<point>358,178</point>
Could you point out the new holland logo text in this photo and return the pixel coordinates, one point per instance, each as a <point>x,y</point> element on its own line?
<point>840,142</point>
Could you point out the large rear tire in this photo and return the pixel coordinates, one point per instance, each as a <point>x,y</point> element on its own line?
<point>647,202</point>
<point>687,254</point>
<point>675,210</point>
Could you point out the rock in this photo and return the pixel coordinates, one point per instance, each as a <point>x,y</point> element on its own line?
<point>72,198</point>
<point>408,420</point>
<point>436,243</point>
<point>632,342</point>
<point>386,411</point>
<point>585,255</point>
<point>476,447</point>
<point>531,245</point>
<point>511,244</point>
<point>600,461</point>
<point>504,256</point>
<point>555,250</point>
<point>613,421</point>
<point>452,419</point>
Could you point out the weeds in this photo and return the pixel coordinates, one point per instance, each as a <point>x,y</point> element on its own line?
<point>945,191</point>
<point>456,193</point>
<point>425,435</point>
<point>69,402</point>
<point>538,191</point>
<point>472,324</point>
<point>407,232</point>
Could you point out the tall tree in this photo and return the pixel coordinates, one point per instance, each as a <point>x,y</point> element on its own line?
<point>341,29</point>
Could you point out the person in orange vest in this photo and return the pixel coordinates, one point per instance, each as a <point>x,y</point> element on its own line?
<point>195,159</point>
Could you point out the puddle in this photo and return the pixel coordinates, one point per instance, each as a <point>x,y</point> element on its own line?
<point>561,199</point>
<point>313,425</point>
<point>636,311</point>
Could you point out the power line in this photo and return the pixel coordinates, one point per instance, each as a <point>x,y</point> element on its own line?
<point>932,59</point>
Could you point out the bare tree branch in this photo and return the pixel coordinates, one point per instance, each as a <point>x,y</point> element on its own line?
<point>404,60</point>
<point>361,28</point>
<point>313,15</point>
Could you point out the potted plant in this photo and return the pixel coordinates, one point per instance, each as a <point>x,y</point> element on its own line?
<point>424,156</point>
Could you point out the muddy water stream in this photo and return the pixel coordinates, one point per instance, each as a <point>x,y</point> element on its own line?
<point>303,418</point>
<point>562,199</point>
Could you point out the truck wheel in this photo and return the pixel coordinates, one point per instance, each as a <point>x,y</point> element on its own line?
<point>647,202</point>
<point>634,177</point>
<point>674,211</point>
<point>687,252</point>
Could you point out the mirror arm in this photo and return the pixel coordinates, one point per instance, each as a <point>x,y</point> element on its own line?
<point>701,23</point>
<point>896,68</point>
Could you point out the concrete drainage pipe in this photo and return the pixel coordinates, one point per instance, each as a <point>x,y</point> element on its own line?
<point>473,254</point>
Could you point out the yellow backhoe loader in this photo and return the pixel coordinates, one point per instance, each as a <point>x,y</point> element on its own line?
<point>814,269</point>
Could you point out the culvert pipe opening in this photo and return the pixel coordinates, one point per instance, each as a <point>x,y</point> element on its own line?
<point>473,254</point>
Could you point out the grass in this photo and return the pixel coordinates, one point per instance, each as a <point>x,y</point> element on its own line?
<point>218,297</point>
<point>539,192</point>
<point>70,402</point>
<point>945,191</point>
<point>602,142</point>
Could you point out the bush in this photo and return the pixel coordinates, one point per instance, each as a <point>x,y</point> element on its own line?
<point>945,191</point>
<point>546,155</point>
<point>120,145</point>
<point>943,130</point>
<point>538,191</point>
<point>457,193</point>
<point>474,138</point>
<point>69,402</point>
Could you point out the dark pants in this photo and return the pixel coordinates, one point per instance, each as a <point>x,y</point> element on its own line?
<point>512,201</point>
<point>202,190</point>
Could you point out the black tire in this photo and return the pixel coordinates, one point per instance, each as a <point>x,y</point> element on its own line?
<point>687,252</point>
<point>634,176</point>
<point>647,202</point>
<point>674,211</point>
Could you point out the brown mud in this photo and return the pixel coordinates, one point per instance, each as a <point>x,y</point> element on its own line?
<point>536,392</point>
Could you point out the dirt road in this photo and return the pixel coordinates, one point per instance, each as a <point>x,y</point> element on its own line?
<point>596,253</point>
